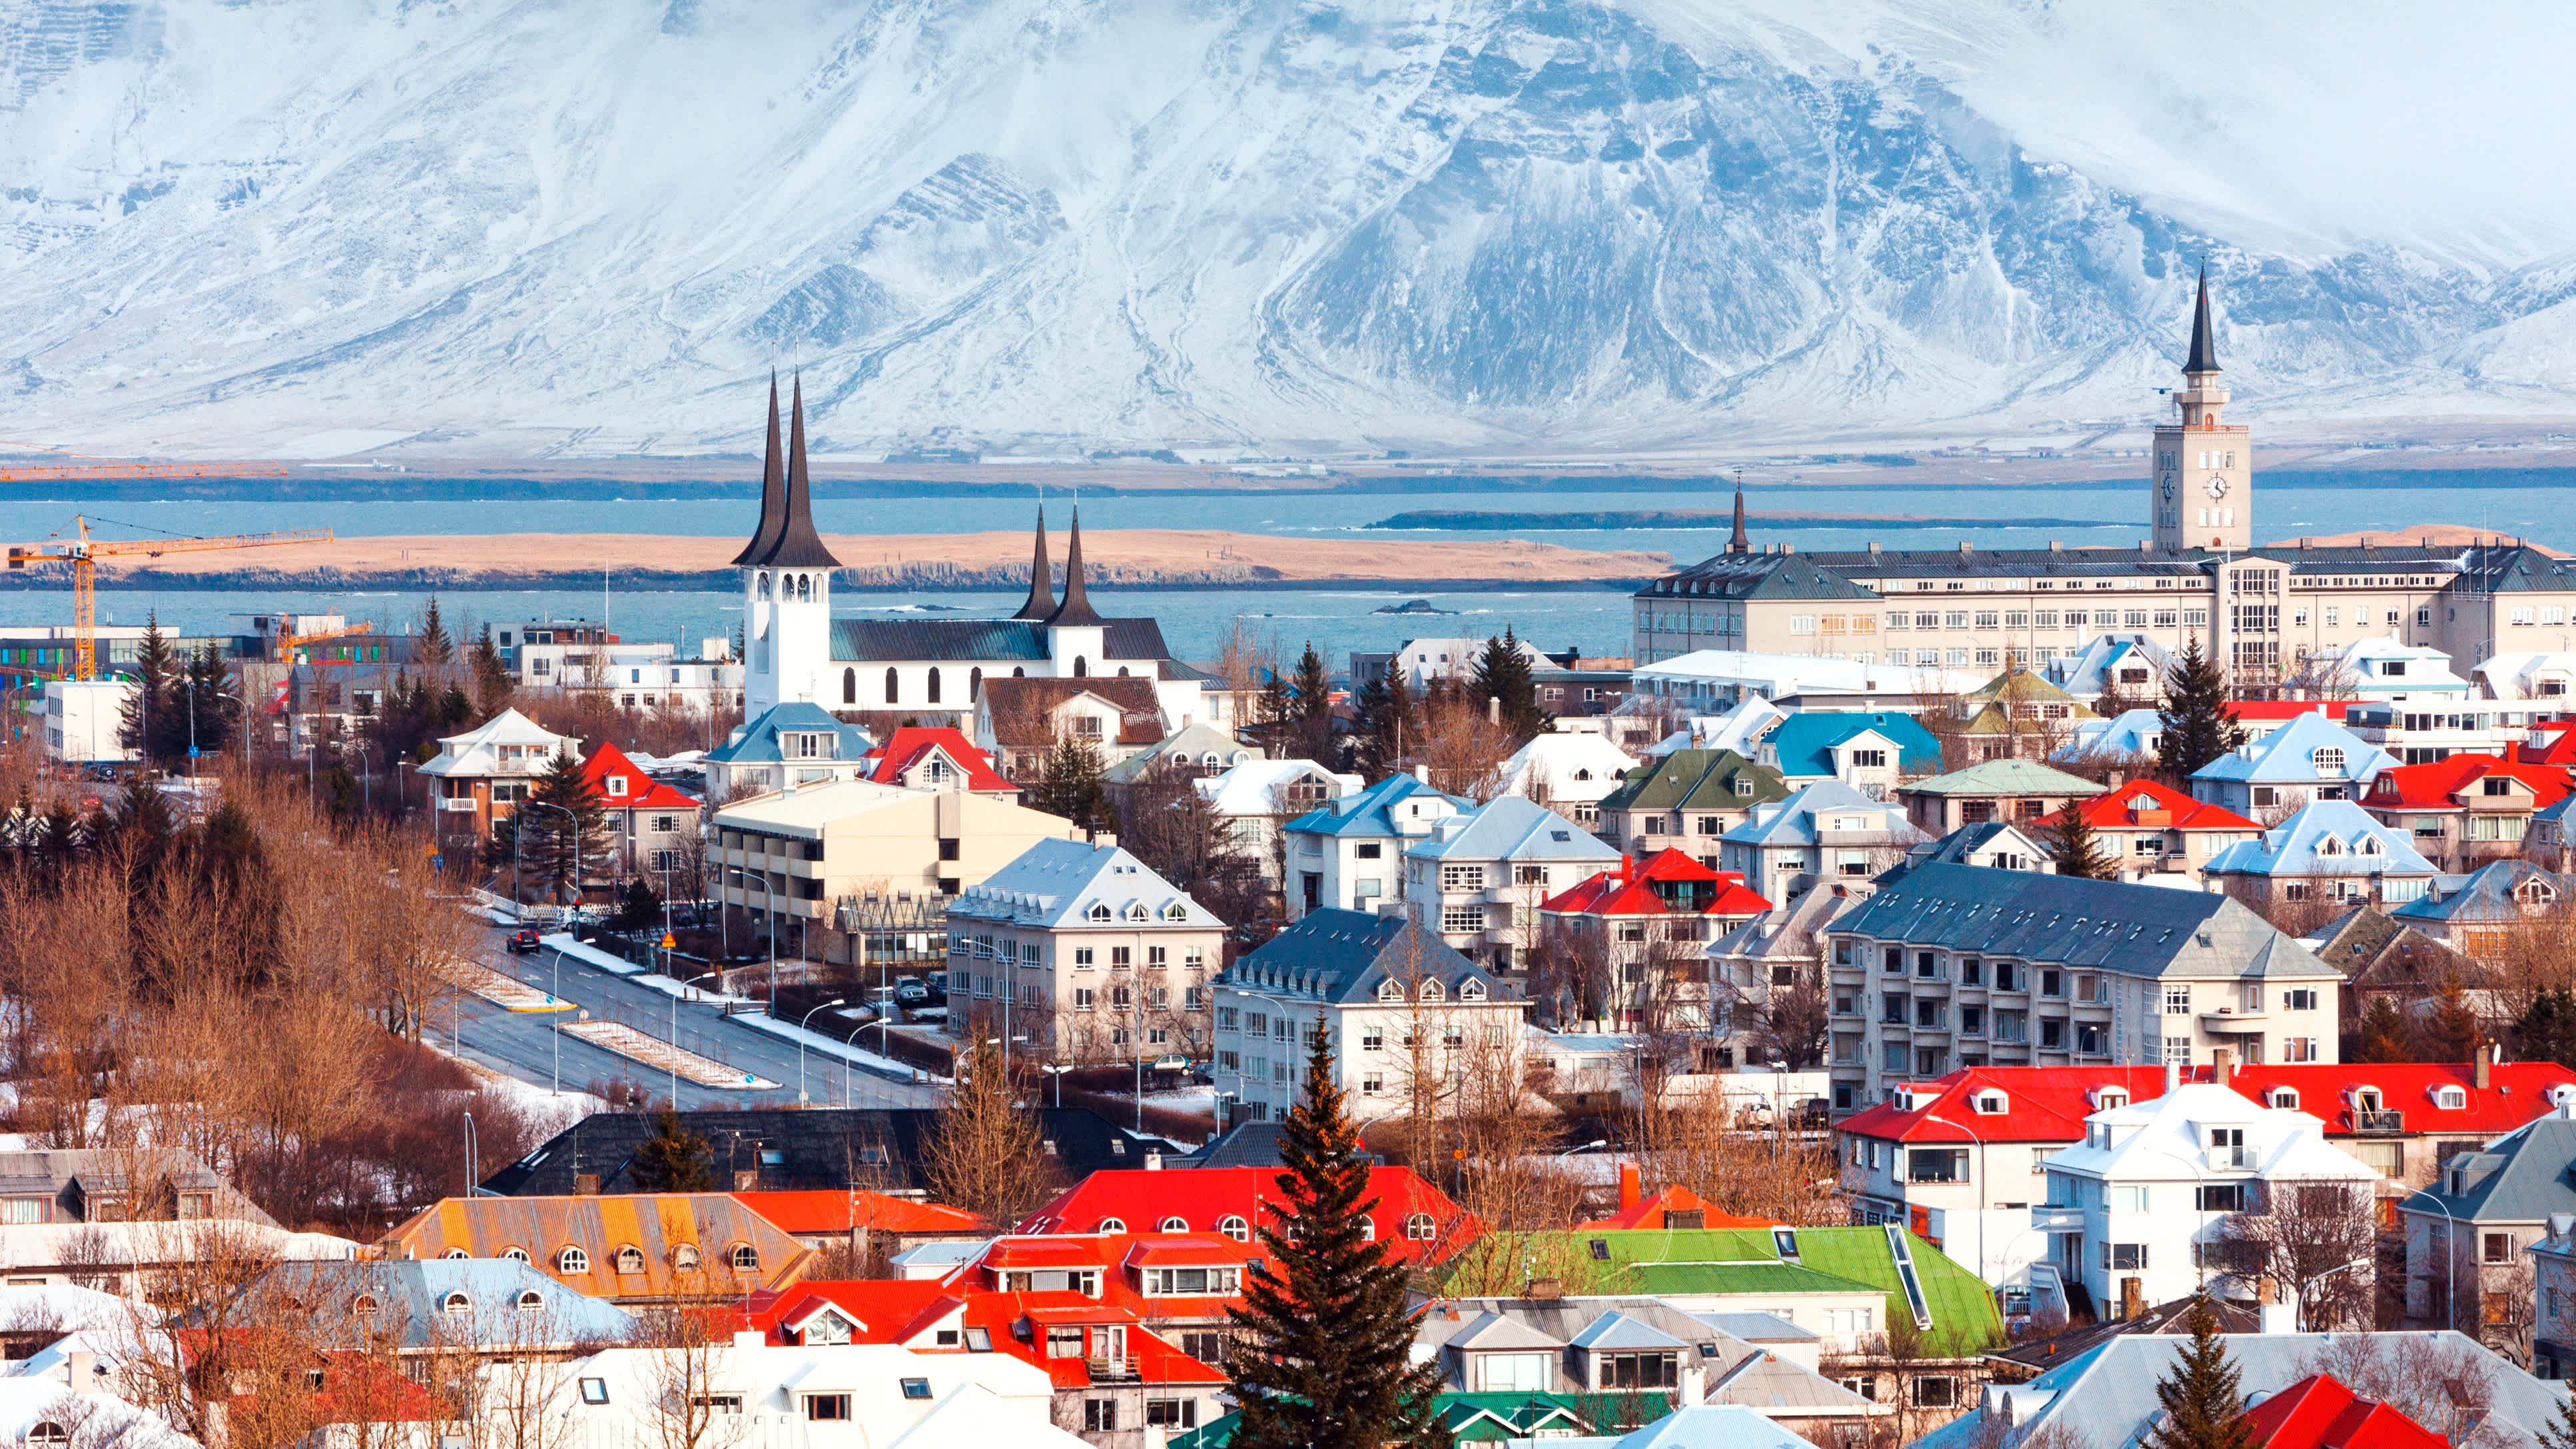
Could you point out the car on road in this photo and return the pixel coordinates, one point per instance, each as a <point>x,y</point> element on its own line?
<point>911,992</point>
<point>522,942</point>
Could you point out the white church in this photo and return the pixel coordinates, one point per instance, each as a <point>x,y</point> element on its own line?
<point>878,673</point>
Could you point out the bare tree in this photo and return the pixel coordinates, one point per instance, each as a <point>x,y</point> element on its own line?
<point>2314,1241</point>
<point>687,1408</point>
<point>2448,1388</point>
<point>982,1153</point>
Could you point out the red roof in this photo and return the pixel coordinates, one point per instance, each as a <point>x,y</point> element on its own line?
<point>909,744</point>
<point>1649,1213</point>
<point>2432,786</point>
<point>2049,1104</point>
<point>1203,1199</point>
<point>1629,889</point>
<point>832,1211</point>
<point>1121,1259</point>
<point>2318,1412</point>
<point>635,790</point>
<point>2557,745</point>
<point>2151,804</point>
<point>2277,711</point>
<point>913,1312</point>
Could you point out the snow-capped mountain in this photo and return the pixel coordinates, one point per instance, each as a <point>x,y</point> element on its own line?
<point>307,227</point>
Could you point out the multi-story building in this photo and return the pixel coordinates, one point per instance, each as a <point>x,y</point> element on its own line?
<point>2466,810</point>
<point>1649,924</point>
<point>1827,832</point>
<point>2553,1300</point>
<point>787,746</point>
<point>1869,750</point>
<point>2469,1234</point>
<point>1685,800</point>
<point>2140,1211</point>
<point>925,757</point>
<point>1348,854</point>
<point>2261,611</point>
<point>2329,851</point>
<point>2023,791</point>
<point>2308,758</point>
<point>1479,876</point>
<point>1257,798</point>
<point>2148,829</point>
<point>576,654</point>
<point>1952,965</point>
<point>485,773</point>
<point>1019,721</point>
<point>653,825</point>
<point>1087,953</point>
<point>2479,914</point>
<point>1412,1022</point>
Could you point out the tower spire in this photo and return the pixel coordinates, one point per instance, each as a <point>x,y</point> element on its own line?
<point>773,491</point>
<point>1739,543</point>
<point>1041,587</point>
<point>1076,610</point>
<point>2204,345</point>
<point>797,546</point>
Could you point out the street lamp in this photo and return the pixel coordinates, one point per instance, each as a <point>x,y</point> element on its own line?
<point>675,1034</point>
<point>853,1043</point>
<point>1240,1075</point>
<point>769,907</point>
<point>1586,1147</point>
<point>1057,1071</point>
<point>800,1049</point>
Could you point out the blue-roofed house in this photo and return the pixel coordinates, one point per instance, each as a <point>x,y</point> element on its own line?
<point>2310,758</point>
<point>2476,912</point>
<point>1871,750</point>
<point>1828,831</point>
<point>2332,850</point>
<point>1348,854</point>
<point>1479,876</point>
<point>798,743</point>
<point>2124,666</point>
<point>2132,734</point>
<point>484,1306</point>
<point>1369,982</point>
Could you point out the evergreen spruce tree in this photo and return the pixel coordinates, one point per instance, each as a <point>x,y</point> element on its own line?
<point>1326,1357</point>
<point>2449,1032</point>
<point>492,682</point>
<point>1069,785</point>
<point>144,827</point>
<point>207,704</point>
<point>2382,1034</point>
<point>560,844</point>
<point>435,648</point>
<point>147,726</point>
<point>1272,712</point>
<point>2195,723</point>
<point>1387,723</point>
<point>2202,1395</point>
<point>1311,727</point>
<point>2560,1432</point>
<point>673,1159</point>
<point>639,908</point>
<point>2547,1031</point>
<point>2076,848</point>
<point>1503,673</point>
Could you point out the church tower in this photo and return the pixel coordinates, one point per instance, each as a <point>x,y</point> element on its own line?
<point>2202,481</point>
<point>786,581</point>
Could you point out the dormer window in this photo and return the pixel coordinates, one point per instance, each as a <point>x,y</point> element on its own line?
<point>2283,1098</point>
<point>2366,845</point>
<point>2450,1099</point>
<point>1099,912</point>
<point>2327,760</point>
<point>1138,912</point>
<point>1390,990</point>
<point>1991,1104</point>
<point>616,785</point>
<point>2109,1097</point>
<point>1473,990</point>
<point>1430,991</point>
<point>2330,846</point>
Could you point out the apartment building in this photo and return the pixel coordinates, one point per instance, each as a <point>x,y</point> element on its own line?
<point>1952,965</point>
<point>1479,877</point>
<point>1650,923</point>
<point>2465,810</point>
<point>1086,952</point>
<point>1348,854</point>
<point>2470,1232</point>
<point>485,773</point>
<point>2329,851</point>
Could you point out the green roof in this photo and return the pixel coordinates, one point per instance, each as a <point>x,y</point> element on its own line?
<point>1696,779</point>
<point>1493,1418</point>
<point>1652,1279</point>
<point>2005,777</point>
<point>1962,1307</point>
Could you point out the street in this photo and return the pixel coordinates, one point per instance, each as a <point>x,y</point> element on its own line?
<point>523,1044</point>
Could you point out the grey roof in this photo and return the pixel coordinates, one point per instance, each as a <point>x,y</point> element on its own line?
<point>1784,931</point>
<point>756,743</point>
<point>2204,345</point>
<point>1957,847</point>
<point>2484,894</point>
<point>85,1172</point>
<point>826,1147</point>
<point>1622,1330</point>
<point>1344,956</point>
<point>1489,1330</point>
<point>988,641</point>
<point>1197,740</point>
<point>1792,821</point>
<point>2109,925</point>
<point>2521,1177</point>
<point>2105,1398</point>
<point>1066,884</point>
<point>1761,576</point>
<point>413,1296</point>
<point>1759,1327</point>
<point>1245,1144</point>
<point>1509,827</point>
<point>1366,815</point>
<point>1737,1371</point>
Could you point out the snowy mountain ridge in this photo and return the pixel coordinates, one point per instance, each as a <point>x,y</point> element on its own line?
<point>312,227</point>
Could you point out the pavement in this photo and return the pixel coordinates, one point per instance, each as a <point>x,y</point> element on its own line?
<point>525,1045</point>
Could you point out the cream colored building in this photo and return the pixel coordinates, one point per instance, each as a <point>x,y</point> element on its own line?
<point>2263,611</point>
<point>792,857</point>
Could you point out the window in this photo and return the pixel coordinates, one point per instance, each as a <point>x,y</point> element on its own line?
<point>1235,1228</point>
<point>457,1305</point>
<point>2177,1001</point>
<point>2126,1198</point>
<point>1936,1391</point>
<point>1372,1084</point>
<point>1419,1228</point>
<point>2495,1247</point>
<point>1936,1164</point>
<point>2451,1098</point>
<point>835,1408</point>
<point>629,1258</point>
<point>2299,998</point>
<point>2299,1049</point>
<point>2222,1197</point>
<point>1636,1370</point>
<point>745,1258</point>
<point>594,1391</point>
<point>1172,1413</point>
<point>1100,1416</point>
<point>1172,1225</point>
<point>572,1260</point>
<point>1462,920</point>
<point>2125,1257</point>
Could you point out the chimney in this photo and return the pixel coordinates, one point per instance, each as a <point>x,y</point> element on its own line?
<point>2173,1076</point>
<point>585,1184</point>
<point>2486,1064</point>
<point>1544,1288</point>
<point>2222,1062</point>
<point>81,1366</point>
<point>746,1179</point>
<point>1966,547</point>
<point>1493,709</point>
<point>1788,548</point>
<point>2054,546</point>
<point>1873,546</point>
<point>1631,1192</point>
<point>2274,1315</point>
<point>1154,1161</point>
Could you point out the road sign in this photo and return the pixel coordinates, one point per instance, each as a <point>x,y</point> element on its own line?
<point>669,941</point>
<point>192,752</point>
<point>437,861</point>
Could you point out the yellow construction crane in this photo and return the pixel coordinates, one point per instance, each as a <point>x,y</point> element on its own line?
<point>84,553</point>
<point>289,644</point>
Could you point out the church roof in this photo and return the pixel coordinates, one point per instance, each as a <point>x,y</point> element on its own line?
<point>786,537</point>
<point>981,641</point>
<point>1076,611</point>
<point>1041,587</point>
<point>2204,346</point>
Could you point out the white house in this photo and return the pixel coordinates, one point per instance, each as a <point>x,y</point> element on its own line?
<point>1404,1012</point>
<point>2309,758</point>
<point>2138,1208</point>
<point>83,718</point>
<point>2542,678</point>
<point>1348,855</point>
<point>2388,668</point>
<point>1257,797</point>
<point>754,1395</point>
<point>2131,734</point>
<point>1424,660</point>
<point>2125,666</point>
<point>1569,772</point>
<point>1825,832</point>
<point>1479,877</point>
<point>485,773</point>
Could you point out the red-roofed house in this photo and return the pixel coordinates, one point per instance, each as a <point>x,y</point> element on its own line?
<point>2550,742</point>
<point>1674,1208</point>
<point>2318,1412</point>
<point>1956,1157</point>
<point>651,821</point>
<point>1650,913</point>
<point>1114,1376</point>
<point>2152,829</point>
<point>1418,1218</point>
<point>871,1224</point>
<point>2465,810</point>
<point>925,757</point>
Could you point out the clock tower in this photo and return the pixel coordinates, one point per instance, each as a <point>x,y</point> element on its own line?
<point>2203,473</point>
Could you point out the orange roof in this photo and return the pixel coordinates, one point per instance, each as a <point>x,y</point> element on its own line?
<point>2149,804</point>
<point>829,1211</point>
<point>2435,784</point>
<point>609,765</point>
<point>1649,1214</point>
<point>2318,1412</point>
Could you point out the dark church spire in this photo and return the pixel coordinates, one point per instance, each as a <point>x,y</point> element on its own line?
<point>794,545</point>
<point>1739,543</point>
<point>773,492</point>
<point>1041,587</point>
<point>2204,345</point>
<point>1076,610</point>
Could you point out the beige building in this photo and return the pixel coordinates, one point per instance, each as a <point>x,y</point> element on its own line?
<point>791,858</point>
<point>2262,610</point>
<point>1084,954</point>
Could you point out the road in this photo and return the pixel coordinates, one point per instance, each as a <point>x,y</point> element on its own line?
<point>523,1044</point>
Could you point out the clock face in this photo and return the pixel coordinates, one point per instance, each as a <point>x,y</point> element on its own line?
<point>2169,486</point>
<point>2216,486</point>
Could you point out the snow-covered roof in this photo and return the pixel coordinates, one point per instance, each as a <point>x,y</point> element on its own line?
<point>2309,748</point>
<point>1066,884</point>
<point>1260,787</point>
<point>1793,821</point>
<point>2520,676</point>
<point>2326,837</point>
<point>2166,1139</point>
<point>1574,767</point>
<point>2095,669</point>
<point>2131,732</point>
<point>505,737</point>
<point>1510,828</point>
<point>1399,805</point>
<point>1780,675</point>
<point>2390,668</point>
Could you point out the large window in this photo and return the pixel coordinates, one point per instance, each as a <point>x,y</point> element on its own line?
<point>1936,1164</point>
<point>1514,1373</point>
<point>1636,1371</point>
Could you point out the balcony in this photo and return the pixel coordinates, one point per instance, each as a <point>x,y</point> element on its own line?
<point>2229,1159</point>
<point>2378,1121</point>
<point>2053,1218</point>
<point>2229,1019</point>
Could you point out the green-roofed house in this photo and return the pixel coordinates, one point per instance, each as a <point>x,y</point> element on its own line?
<point>2021,791</point>
<point>1686,800</point>
<point>1494,1418</point>
<point>1857,1287</point>
<point>2018,714</point>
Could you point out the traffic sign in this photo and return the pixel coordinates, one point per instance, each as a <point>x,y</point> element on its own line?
<point>192,752</point>
<point>437,861</point>
<point>669,941</point>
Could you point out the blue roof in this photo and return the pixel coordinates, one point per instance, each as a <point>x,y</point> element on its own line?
<point>2485,894</point>
<point>2327,837</point>
<point>1508,827</point>
<point>1346,956</point>
<point>1804,742</point>
<point>2288,754</point>
<point>756,743</point>
<point>415,1295</point>
<point>1793,821</point>
<point>1371,811</point>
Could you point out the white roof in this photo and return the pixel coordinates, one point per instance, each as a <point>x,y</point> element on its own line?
<point>1065,884</point>
<point>2130,732</point>
<point>805,810</point>
<point>2420,671</point>
<point>1580,768</point>
<point>2518,676</point>
<point>972,1398</point>
<point>45,1245</point>
<point>2165,1139</point>
<point>1783,674</point>
<point>477,751</point>
<point>1252,787</point>
<point>97,1417</point>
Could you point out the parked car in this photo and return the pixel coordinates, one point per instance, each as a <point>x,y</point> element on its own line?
<point>911,992</point>
<point>523,942</point>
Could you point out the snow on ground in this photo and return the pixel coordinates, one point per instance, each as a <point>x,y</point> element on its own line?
<point>661,1056</point>
<point>837,1048</point>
